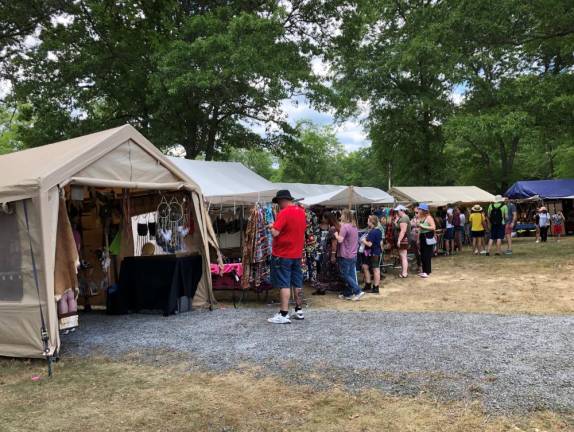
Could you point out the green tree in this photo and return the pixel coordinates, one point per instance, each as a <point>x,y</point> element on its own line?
<point>260,161</point>
<point>189,73</point>
<point>314,156</point>
<point>10,124</point>
<point>388,55</point>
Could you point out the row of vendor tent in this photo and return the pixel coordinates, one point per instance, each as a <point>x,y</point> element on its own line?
<point>231,183</point>
<point>557,189</point>
<point>31,182</point>
<point>336,196</point>
<point>437,196</point>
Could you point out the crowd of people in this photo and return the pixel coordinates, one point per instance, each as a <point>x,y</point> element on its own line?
<point>340,249</point>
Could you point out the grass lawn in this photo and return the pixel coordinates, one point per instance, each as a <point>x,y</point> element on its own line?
<point>133,395</point>
<point>537,279</point>
<point>104,395</point>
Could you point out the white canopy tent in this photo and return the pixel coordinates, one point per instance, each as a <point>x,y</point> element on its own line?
<point>227,182</point>
<point>436,196</point>
<point>336,195</point>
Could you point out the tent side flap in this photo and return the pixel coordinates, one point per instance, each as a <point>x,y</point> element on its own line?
<point>20,301</point>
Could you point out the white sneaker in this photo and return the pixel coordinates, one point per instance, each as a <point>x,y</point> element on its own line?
<point>298,315</point>
<point>359,296</point>
<point>343,297</point>
<point>424,275</point>
<point>279,319</point>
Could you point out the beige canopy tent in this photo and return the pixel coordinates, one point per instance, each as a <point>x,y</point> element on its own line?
<point>30,185</point>
<point>436,196</point>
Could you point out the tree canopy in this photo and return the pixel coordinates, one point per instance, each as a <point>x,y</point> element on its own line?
<point>449,91</point>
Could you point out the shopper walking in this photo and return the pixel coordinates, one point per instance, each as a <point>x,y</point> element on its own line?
<point>544,223</point>
<point>427,240</point>
<point>458,220</point>
<point>449,232</point>
<point>403,228</point>
<point>510,223</point>
<point>287,250</point>
<point>348,239</point>
<point>477,224</point>
<point>372,256</point>
<point>557,220</point>
<point>497,215</point>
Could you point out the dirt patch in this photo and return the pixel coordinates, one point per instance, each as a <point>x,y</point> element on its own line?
<point>537,279</point>
<point>105,395</point>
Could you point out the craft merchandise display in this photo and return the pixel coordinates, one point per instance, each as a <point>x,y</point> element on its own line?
<point>256,253</point>
<point>174,223</point>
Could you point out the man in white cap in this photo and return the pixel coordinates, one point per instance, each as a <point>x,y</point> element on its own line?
<point>497,216</point>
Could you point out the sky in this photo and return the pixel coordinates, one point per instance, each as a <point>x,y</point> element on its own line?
<point>350,133</point>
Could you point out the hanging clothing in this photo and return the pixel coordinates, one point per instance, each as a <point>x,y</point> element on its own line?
<point>328,275</point>
<point>67,258</point>
<point>257,248</point>
<point>310,250</point>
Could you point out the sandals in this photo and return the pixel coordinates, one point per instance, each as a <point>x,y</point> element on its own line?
<point>402,276</point>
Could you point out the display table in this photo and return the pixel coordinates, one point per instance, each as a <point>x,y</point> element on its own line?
<point>236,268</point>
<point>155,283</point>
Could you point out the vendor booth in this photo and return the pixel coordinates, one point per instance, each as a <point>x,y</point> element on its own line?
<point>71,202</point>
<point>238,201</point>
<point>557,195</point>
<point>437,196</point>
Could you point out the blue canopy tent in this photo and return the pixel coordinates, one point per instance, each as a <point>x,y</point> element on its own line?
<point>543,189</point>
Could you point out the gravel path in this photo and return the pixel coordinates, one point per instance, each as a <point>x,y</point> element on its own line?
<point>510,363</point>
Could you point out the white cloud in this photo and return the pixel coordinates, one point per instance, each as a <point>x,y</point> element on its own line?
<point>350,133</point>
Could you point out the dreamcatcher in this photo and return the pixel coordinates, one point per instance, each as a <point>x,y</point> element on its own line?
<point>173,224</point>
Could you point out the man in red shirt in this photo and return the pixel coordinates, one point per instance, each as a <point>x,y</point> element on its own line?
<point>288,242</point>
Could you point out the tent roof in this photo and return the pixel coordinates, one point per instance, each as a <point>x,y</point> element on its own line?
<point>545,189</point>
<point>441,195</point>
<point>336,195</point>
<point>227,182</point>
<point>142,165</point>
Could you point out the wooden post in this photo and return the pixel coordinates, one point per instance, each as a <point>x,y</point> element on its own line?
<point>350,197</point>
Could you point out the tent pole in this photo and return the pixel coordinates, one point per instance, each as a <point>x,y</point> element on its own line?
<point>350,197</point>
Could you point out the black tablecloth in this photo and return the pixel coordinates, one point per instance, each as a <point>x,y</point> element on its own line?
<point>155,282</point>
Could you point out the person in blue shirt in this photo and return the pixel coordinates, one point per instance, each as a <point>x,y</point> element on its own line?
<point>373,253</point>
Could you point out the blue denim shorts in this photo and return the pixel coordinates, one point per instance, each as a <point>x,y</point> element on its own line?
<point>449,234</point>
<point>286,273</point>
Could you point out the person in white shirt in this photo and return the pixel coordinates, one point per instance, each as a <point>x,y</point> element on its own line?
<point>544,224</point>
<point>449,232</point>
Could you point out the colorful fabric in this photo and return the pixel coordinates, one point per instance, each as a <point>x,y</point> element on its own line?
<point>257,250</point>
<point>228,268</point>
<point>311,249</point>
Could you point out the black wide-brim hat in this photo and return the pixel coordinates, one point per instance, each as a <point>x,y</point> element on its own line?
<point>283,195</point>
